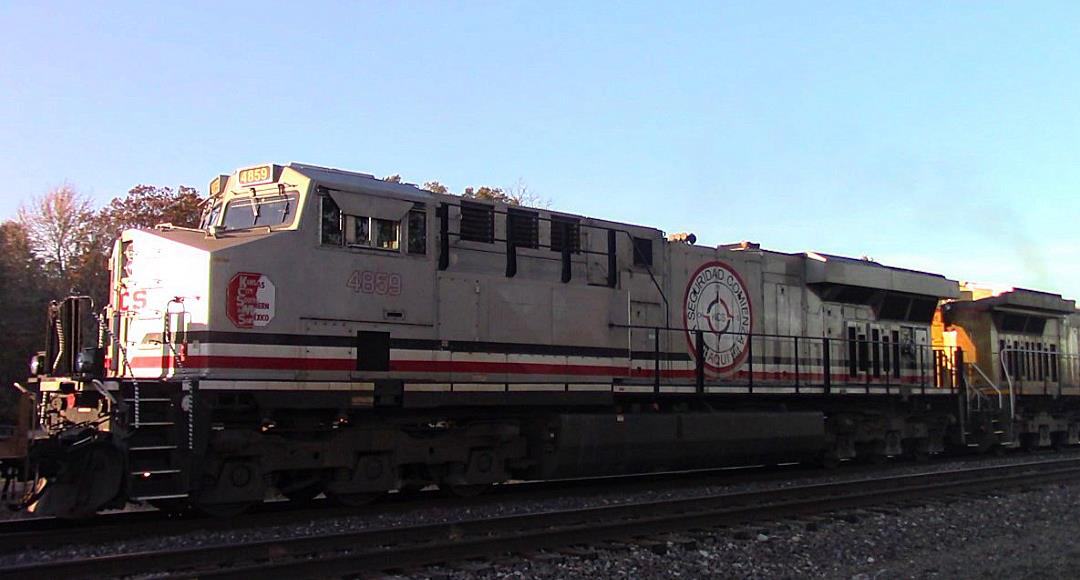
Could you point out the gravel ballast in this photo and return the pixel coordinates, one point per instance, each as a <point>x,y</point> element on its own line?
<point>1013,534</point>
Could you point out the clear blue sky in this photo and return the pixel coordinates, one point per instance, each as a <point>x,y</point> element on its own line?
<point>941,137</point>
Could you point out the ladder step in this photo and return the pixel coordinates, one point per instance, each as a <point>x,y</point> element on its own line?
<point>153,448</point>
<point>154,424</point>
<point>150,400</point>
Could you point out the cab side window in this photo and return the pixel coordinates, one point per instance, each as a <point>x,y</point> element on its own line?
<point>357,231</point>
<point>385,234</point>
<point>371,232</point>
<point>418,230</point>
<point>330,222</point>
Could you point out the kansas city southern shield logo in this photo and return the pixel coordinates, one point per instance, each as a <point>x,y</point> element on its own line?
<point>718,305</point>
<point>250,299</point>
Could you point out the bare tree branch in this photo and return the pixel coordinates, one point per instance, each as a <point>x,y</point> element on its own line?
<point>520,194</point>
<point>58,226</point>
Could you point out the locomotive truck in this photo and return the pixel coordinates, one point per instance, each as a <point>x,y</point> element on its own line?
<point>324,331</point>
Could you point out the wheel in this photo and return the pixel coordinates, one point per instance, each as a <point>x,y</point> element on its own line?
<point>230,487</point>
<point>353,499</point>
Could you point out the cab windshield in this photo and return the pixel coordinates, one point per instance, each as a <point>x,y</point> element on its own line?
<point>260,211</point>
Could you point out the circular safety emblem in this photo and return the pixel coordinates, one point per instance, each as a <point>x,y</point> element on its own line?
<point>718,305</point>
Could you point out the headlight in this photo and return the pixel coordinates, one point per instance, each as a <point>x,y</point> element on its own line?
<point>84,361</point>
<point>37,364</point>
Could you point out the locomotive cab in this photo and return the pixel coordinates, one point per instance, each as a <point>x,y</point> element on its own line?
<point>120,388</point>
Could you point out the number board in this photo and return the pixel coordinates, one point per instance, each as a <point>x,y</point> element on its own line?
<point>256,175</point>
<point>218,184</point>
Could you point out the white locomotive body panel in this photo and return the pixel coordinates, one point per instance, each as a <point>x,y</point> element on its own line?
<point>354,271</point>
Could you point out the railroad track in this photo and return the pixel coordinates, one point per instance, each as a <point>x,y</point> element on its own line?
<point>46,532</point>
<point>412,546</point>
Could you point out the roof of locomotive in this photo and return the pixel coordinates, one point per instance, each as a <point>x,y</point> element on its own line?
<point>867,273</point>
<point>341,179</point>
<point>1022,299</point>
<point>368,183</point>
<point>823,268</point>
<point>831,270</point>
<point>865,261</point>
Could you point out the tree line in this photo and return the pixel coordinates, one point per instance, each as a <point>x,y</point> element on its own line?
<point>59,245</point>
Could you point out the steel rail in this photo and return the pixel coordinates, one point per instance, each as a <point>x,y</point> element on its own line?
<point>409,546</point>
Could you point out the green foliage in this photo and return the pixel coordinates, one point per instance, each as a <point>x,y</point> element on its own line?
<point>145,206</point>
<point>25,290</point>
<point>486,193</point>
<point>436,187</point>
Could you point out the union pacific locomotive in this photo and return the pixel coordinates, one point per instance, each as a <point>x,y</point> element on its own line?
<point>324,331</point>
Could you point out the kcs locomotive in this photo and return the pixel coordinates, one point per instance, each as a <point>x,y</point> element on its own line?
<point>324,331</point>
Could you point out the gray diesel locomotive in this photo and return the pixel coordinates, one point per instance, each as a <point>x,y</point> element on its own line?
<point>328,332</point>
